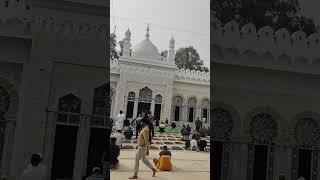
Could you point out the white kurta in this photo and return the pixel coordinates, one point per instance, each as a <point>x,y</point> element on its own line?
<point>120,121</point>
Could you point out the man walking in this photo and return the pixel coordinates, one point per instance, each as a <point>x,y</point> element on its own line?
<point>120,120</point>
<point>143,150</point>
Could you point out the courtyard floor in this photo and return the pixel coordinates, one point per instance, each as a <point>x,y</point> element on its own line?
<point>187,165</point>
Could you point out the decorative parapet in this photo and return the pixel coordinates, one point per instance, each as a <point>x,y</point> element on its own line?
<point>17,20</point>
<point>279,47</point>
<point>198,76</point>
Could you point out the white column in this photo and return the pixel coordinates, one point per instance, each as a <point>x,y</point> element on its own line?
<point>153,102</point>
<point>136,102</point>
<point>81,147</point>
<point>168,100</point>
<point>49,142</point>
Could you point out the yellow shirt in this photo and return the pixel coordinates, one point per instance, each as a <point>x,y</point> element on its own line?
<point>143,139</point>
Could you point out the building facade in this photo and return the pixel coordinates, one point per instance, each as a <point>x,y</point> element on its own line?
<point>142,80</point>
<point>52,80</point>
<point>266,111</point>
<point>54,94</point>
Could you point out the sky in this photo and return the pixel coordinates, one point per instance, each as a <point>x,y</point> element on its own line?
<point>188,21</point>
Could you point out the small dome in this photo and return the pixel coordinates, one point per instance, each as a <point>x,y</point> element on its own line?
<point>145,49</point>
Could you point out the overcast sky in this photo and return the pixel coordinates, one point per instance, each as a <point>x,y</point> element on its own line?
<point>187,20</point>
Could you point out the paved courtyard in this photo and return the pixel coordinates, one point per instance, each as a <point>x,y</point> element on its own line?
<point>186,164</point>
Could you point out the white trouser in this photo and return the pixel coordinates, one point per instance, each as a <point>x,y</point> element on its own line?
<point>141,155</point>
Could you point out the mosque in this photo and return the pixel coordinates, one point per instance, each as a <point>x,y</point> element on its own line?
<point>141,80</point>
<point>54,94</point>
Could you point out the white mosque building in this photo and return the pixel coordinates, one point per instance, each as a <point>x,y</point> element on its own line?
<point>142,79</point>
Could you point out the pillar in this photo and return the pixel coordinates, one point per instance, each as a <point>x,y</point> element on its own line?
<point>82,147</point>
<point>168,101</point>
<point>153,103</point>
<point>49,142</point>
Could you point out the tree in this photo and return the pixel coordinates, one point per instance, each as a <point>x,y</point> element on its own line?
<point>113,44</point>
<point>188,58</point>
<point>275,13</point>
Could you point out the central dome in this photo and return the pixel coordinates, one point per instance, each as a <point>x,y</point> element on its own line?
<point>145,49</point>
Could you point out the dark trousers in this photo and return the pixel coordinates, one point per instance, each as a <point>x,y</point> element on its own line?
<point>198,128</point>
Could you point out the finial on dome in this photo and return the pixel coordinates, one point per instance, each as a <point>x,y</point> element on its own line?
<point>147,34</point>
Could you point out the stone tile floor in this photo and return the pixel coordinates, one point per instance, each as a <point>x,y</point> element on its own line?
<point>187,165</point>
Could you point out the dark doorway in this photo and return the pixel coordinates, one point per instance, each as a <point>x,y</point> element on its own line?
<point>205,114</point>
<point>143,107</point>
<point>260,163</point>
<point>157,111</point>
<point>64,152</point>
<point>177,113</point>
<point>191,114</point>
<point>97,146</point>
<point>304,166</point>
<point>130,109</point>
<point>217,159</point>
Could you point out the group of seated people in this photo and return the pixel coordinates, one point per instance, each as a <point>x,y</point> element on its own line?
<point>197,143</point>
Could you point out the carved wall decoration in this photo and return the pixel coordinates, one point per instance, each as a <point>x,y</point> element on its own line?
<point>263,128</point>
<point>222,123</point>
<point>101,107</point>
<point>69,110</point>
<point>145,95</point>
<point>158,99</point>
<point>307,133</point>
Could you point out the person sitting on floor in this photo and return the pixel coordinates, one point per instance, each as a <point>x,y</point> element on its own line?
<point>164,161</point>
<point>128,133</point>
<point>194,144</point>
<point>185,134</point>
<point>114,153</point>
<point>119,137</point>
<point>162,127</point>
<point>203,144</point>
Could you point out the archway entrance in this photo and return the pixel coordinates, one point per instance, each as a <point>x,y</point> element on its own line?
<point>145,99</point>
<point>222,124</point>
<point>192,104</point>
<point>177,108</point>
<point>68,122</point>
<point>99,128</point>
<point>157,107</point>
<point>263,130</point>
<point>305,155</point>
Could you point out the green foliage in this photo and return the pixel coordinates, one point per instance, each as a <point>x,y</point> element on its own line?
<point>113,44</point>
<point>188,58</point>
<point>275,13</point>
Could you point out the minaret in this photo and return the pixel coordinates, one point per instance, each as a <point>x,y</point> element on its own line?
<point>171,52</point>
<point>126,45</point>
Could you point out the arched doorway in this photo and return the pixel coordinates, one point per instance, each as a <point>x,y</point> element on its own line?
<point>261,152</point>
<point>130,104</point>
<point>222,124</point>
<point>157,107</point>
<point>177,108</point>
<point>192,106</point>
<point>205,110</point>
<point>144,101</point>
<point>67,125</point>
<point>99,127</point>
<point>305,155</point>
